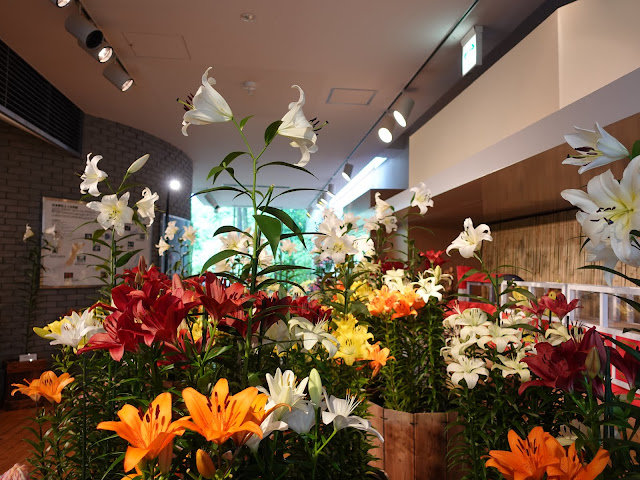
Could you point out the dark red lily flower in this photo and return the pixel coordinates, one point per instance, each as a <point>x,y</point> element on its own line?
<point>138,276</point>
<point>559,306</point>
<point>270,309</point>
<point>535,308</point>
<point>628,365</point>
<point>238,321</point>
<point>175,352</point>
<point>434,257</point>
<point>386,266</point>
<point>121,334</point>
<point>312,310</point>
<point>160,321</point>
<point>560,367</point>
<point>218,300</point>
<point>592,339</point>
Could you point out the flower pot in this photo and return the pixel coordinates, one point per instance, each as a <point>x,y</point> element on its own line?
<point>415,444</point>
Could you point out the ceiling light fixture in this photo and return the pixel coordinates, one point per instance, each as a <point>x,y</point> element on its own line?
<point>248,17</point>
<point>331,190</point>
<point>102,54</point>
<point>403,109</point>
<point>61,3</point>
<point>174,184</point>
<point>385,131</point>
<point>118,76</point>
<point>347,172</point>
<point>84,30</point>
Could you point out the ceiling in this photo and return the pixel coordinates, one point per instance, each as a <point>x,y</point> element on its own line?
<point>372,45</point>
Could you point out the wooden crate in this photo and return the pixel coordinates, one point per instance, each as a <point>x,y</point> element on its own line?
<point>415,444</point>
<point>17,372</point>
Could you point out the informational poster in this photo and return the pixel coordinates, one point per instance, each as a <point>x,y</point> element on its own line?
<point>72,257</point>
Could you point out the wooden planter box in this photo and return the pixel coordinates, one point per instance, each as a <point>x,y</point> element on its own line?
<point>17,372</point>
<point>415,444</point>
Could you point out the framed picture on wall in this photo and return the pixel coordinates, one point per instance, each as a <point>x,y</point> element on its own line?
<point>71,261</point>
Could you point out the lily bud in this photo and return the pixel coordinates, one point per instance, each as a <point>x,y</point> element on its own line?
<point>315,387</point>
<point>205,464</point>
<point>592,363</point>
<point>138,164</point>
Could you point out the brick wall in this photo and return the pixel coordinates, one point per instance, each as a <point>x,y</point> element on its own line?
<point>31,168</point>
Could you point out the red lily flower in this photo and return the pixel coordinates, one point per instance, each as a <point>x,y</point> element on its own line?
<point>312,310</point>
<point>385,266</point>
<point>121,334</point>
<point>537,309</point>
<point>218,300</point>
<point>559,367</point>
<point>270,309</point>
<point>628,365</point>
<point>434,257</point>
<point>559,306</point>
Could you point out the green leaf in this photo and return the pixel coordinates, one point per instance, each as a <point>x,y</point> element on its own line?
<point>271,132</point>
<point>272,229</point>
<point>223,255</point>
<point>227,229</point>
<point>636,282</point>
<point>287,220</point>
<point>635,151</point>
<point>215,171</point>
<point>244,121</point>
<point>285,164</point>
<point>122,261</point>
<point>279,268</point>
<point>291,190</point>
<point>221,188</point>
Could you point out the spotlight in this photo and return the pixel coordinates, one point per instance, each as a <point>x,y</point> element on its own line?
<point>116,75</point>
<point>385,131</point>
<point>85,31</point>
<point>61,3</point>
<point>102,54</point>
<point>403,110</point>
<point>347,172</point>
<point>309,213</point>
<point>174,185</point>
<point>331,190</point>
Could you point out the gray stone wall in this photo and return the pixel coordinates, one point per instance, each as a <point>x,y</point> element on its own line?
<point>31,168</point>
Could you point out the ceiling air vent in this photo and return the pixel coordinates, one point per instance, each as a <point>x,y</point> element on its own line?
<point>27,98</point>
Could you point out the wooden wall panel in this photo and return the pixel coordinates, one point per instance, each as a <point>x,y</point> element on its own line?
<point>547,248</point>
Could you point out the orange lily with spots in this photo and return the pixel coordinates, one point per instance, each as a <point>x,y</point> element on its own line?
<point>571,468</point>
<point>49,386</point>
<point>378,358</point>
<point>529,458</point>
<point>150,434</point>
<point>222,415</point>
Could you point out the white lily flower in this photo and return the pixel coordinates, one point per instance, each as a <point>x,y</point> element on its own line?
<point>421,198</point>
<point>474,321</point>
<point>301,420</point>
<point>283,389</point>
<point>146,206</point>
<point>208,106</point>
<point>162,247</point>
<point>383,209</point>
<point>605,254</point>
<point>264,259</point>
<point>456,347</point>
<point>171,230</point>
<point>501,337</point>
<point>28,233</point>
<point>288,247</point>
<point>596,147</point>
<point>235,241</point>
<point>76,330</point>
<point>114,212</point>
<point>138,164</point>
<point>350,218</point>
<point>371,224</point>
<point>189,234</point>
<point>557,333</point>
<point>339,413</point>
<point>338,247</point>
<point>390,223</point>
<point>92,176</point>
<point>394,279</point>
<point>428,287</point>
<point>616,205</point>
<point>513,367</point>
<point>299,130</point>
<point>468,369</point>
<point>268,426</point>
<point>51,230</point>
<point>279,334</point>
<point>222,266</point>
<point>470,240</point>
<point>310,334</point>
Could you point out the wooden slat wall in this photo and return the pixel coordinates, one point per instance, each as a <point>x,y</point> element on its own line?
<point>548,246</point>
<point>415,444</point>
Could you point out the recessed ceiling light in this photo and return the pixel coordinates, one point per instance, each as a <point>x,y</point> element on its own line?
<point>248,17</point>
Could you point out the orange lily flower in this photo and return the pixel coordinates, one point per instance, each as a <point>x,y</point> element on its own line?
<point>223,415</point>
<point>49,386</point>
<point>571,468</point>
<point>378,358</point>
<point>528,458</point>
<point>150,434</point>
